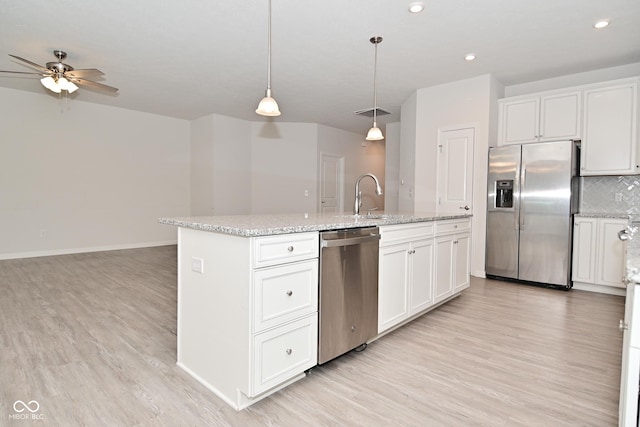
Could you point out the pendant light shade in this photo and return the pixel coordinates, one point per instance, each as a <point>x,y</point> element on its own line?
<point>375,134</point>
<point>268,106</point>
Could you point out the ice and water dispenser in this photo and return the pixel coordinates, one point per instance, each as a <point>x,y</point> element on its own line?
<point>504,193</point>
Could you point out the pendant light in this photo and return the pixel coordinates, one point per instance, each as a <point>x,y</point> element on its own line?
<point>375,134</point>
<point>268,106</point>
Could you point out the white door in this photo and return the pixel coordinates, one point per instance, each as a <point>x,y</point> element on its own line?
<point>331,183</point>
<point>455,170</point>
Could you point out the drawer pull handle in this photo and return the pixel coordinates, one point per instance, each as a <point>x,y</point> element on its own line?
<point>289,351</point>
<point>290,248</point>
<point>289,293</point>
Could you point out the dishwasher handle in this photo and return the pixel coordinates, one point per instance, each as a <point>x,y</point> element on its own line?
<point>348,242</point>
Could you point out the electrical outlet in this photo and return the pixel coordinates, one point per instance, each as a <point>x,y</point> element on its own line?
<point>306,193</point>
<point>197,265</point>
<point>618,197</point>
<point>43,233</point>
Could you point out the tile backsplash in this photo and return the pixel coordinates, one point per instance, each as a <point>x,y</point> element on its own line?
<point>610,194</point>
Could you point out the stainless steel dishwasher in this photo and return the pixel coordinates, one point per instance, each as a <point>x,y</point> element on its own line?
<point>348,303</point>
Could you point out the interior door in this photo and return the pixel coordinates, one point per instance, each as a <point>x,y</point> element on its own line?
<point>455,170</point>
<point>331,183</point>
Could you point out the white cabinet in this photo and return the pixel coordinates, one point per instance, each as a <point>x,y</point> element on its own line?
<point>598,254</point>
<point>405,272</point>
<point>630,369</point>
<point>452,250</point>
<point>247,311</point>
<point>549,116</point>
<point>610,136</point>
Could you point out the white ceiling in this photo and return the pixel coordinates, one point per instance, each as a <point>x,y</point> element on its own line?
<point>190,58</point>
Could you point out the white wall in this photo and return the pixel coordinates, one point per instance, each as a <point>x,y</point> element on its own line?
<point>220,166</point>
<point>392,167</point>
<point>77,177</point>
<point>360,156</point>
<point>463,103</point>
<point>283,165</point>
<point>587,77</point>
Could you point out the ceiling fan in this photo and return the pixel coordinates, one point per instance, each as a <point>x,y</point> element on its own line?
<point>57,76</point>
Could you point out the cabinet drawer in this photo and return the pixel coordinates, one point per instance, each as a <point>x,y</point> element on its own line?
<point>283,353</point>
<point>271,250</point>
<point>284,293</point>
<point>453,226</point>
<point>392,234</point>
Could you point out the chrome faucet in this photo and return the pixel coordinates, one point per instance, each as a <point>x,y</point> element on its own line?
<point>358,202</point>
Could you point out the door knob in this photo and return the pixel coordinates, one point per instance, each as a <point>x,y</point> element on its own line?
<point>623,325</point>
<point>465,207</point>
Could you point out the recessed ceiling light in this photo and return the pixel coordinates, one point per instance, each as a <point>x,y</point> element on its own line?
<point>601,23</point>
<point>416,7</point>
<point>470,57</point>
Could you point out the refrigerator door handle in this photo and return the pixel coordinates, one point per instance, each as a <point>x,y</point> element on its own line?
<point>523,187</point>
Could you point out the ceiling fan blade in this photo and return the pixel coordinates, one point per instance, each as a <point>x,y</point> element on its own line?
<point>24,72</point>
<point>32,64</point>
<point>95,85</point>
<point>86,72</point>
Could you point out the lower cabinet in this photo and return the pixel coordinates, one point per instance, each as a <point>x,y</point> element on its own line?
<point>247,311</point>
<point>598,254</point>
<point>630,370</point>
<point>417,270</point>
<point>405,272</point>
<point>452,258</point>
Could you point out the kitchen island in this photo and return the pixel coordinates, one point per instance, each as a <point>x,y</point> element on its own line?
<point>248,290</point>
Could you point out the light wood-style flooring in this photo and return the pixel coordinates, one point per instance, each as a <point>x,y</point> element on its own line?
<point>91,338</point>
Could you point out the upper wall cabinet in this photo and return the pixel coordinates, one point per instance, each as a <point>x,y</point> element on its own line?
<point>610,136</point>
<point>540,117</point>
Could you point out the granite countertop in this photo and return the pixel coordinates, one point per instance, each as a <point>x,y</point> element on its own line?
<point>266,225</point>
<point>633,252</point>
<point>602,215</point>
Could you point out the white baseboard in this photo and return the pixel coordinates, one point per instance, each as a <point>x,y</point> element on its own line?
<point>611,290</point>
<point>52,252</point>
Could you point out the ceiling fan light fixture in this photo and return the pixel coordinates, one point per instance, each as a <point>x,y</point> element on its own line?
<point>268,106</point>
<point>50,84</point>
<point>71,87</point>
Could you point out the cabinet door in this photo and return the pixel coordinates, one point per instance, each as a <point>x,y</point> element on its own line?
<point>610,263</point>
<point>584,250</point>
<point>560,117</point>
<point>461,273</point>
<point>421,276</point>
<point>393,286</point>
<point>443,284</point>
<point>519,121</point>
<point>609,145</point>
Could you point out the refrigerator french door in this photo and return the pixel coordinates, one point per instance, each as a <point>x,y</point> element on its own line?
<point>532,196</point>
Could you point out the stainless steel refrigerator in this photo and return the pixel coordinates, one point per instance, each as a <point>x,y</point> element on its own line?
<point>533,192</point>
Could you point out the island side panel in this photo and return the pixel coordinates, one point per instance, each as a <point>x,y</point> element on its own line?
<point>214,329</point>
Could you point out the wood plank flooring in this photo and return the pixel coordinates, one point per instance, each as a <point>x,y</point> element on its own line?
<point>91,338</point>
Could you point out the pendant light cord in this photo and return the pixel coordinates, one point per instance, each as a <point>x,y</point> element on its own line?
<point>269,51</point>
<point>375,90</point>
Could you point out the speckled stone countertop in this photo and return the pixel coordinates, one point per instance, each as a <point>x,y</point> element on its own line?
<point>633,252</point>
<point>602,215</point>
<point>266,225</point>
